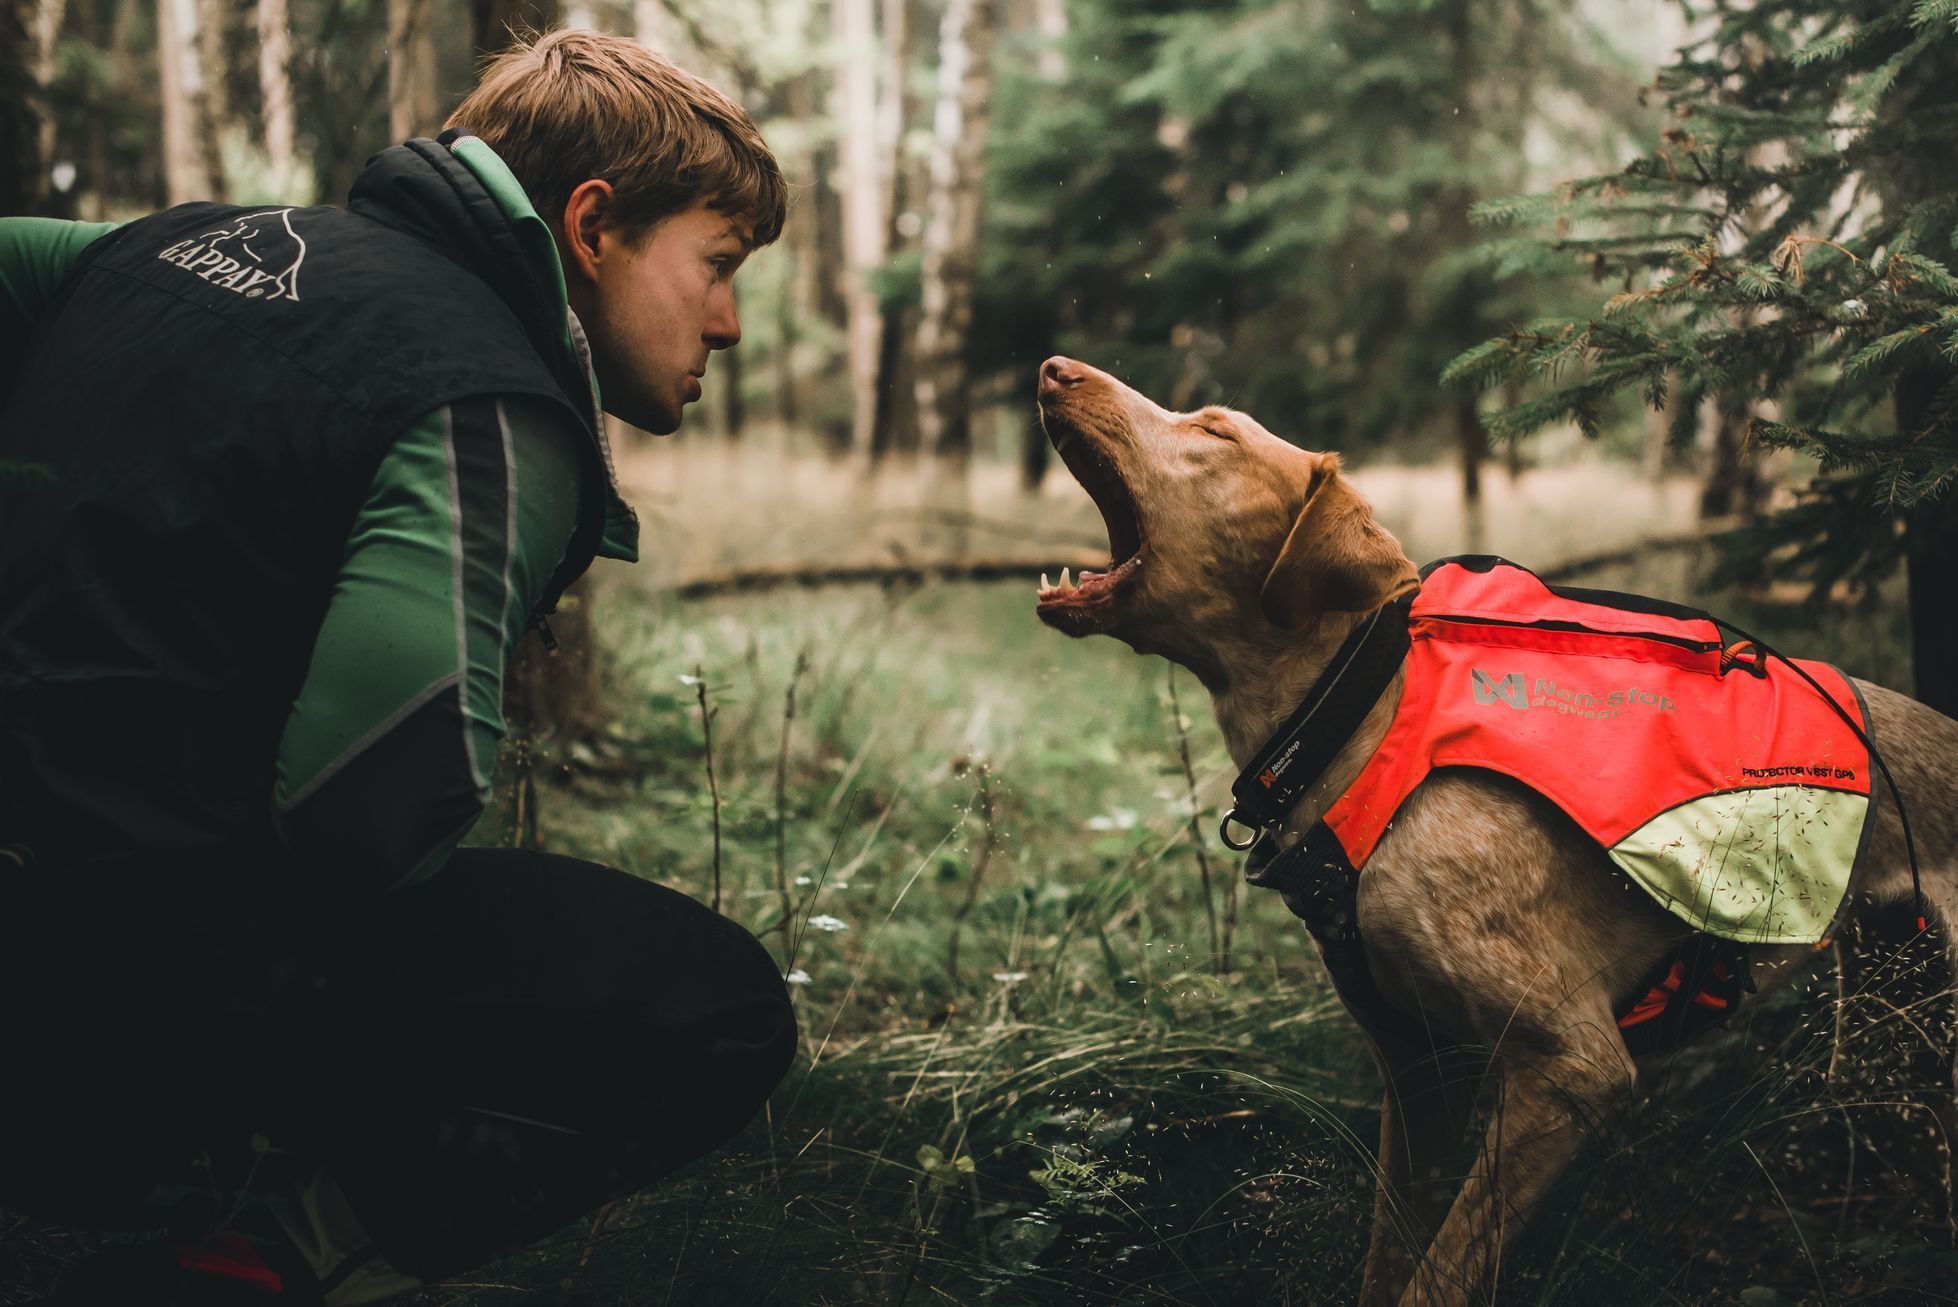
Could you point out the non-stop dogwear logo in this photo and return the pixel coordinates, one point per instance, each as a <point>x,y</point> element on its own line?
<point>1517,691</point>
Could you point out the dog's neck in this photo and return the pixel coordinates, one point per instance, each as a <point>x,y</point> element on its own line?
<point>1264,680</point>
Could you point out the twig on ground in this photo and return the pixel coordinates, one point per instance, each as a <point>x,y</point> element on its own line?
<point>523,792</point>
<point>569,1288</point>
<point>781,802</point>
<point>707,716</point>
<point>1220,962</point>
<point>988,812</point>
<point>749,580</point>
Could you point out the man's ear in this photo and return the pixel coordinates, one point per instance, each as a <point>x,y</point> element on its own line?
<point>586,210</point>
<point>1337,559</point>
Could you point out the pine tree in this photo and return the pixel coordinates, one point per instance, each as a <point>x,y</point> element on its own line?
<point>1265,202</point>
<point>1788,242</point>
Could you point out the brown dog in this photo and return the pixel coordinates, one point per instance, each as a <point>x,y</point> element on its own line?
<point>1484,909</point>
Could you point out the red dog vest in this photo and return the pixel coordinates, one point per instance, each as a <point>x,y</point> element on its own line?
<point>1730,788</point>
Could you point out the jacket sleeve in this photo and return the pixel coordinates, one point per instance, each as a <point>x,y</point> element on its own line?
<point>35,255</point>
<point>386,760</point>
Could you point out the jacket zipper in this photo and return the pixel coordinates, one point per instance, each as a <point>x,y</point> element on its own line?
<point>1697,646</point>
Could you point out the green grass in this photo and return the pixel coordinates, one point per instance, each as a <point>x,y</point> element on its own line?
<point>1075,1102</point>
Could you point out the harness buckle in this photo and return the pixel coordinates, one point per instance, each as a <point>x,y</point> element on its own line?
<point>1224,832</point>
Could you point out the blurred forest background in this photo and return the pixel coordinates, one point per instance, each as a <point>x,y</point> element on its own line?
<point>1654,296</point>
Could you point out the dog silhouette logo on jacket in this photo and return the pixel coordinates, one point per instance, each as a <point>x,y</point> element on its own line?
<point>256,255</point>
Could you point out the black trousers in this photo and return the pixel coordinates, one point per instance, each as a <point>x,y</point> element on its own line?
<point>474,1062</point>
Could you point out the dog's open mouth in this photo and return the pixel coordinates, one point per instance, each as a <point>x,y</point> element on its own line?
<point>1088,597</point>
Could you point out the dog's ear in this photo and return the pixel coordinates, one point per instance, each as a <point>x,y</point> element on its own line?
<point>1337,559</point>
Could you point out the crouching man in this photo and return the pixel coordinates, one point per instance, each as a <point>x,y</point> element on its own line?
<point>283,487</point>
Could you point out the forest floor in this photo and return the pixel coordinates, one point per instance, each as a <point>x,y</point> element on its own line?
<point>1053,1055</point>
<point>1052,1051</point>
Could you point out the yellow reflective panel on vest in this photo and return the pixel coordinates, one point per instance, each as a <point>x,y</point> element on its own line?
<point>1764,866</point>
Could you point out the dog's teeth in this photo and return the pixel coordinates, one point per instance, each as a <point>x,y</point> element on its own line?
<point>1044,583</point>
<point>1067,582</point>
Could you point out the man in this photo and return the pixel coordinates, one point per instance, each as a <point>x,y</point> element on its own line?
<point>279,490</point>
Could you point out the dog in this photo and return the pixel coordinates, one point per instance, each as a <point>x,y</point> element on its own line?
<point>1484,910</point>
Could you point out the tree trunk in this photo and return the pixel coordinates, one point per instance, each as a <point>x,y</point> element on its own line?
<point>951,241</point>
<point>734,410</point>
<point>186,170</point>
<point>865,225</point>
<point>1931,560</point>
<point>48,17</point>
<point>651,27</point>
<point>23,168</point>
<point>212,24</point>
<point>413,105</point>
<point>493,23</point>
<point>275,89</point>
<point>894,420</point>
<point>1050,17</point>
<point>556,696</point>
<point>786,407</point>
<point>1733,483</point>
<point>1471,441</point>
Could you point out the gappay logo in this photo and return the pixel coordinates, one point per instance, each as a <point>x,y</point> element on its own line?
<point>1516,691</point>
<point>256,256</point>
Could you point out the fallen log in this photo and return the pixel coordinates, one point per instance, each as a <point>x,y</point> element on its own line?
<point>753,580</point>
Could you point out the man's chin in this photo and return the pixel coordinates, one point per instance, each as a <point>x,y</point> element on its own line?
<point>653,419</point>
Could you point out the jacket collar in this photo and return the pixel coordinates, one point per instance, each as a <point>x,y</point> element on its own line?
<point>456,195</point>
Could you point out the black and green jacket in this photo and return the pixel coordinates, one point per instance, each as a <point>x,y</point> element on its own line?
<point>279,490</point>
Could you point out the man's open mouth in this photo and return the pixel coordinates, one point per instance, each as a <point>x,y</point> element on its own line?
<point>1088,597</point>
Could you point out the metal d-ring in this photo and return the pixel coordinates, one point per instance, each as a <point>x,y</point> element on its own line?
<point>1224,832</point>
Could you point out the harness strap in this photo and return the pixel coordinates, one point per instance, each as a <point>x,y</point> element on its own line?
<point>1294,758</point>
<point>1697,985</point>
<point>1321,888</point>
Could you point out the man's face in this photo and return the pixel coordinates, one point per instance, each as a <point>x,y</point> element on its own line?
<point>655,307</point>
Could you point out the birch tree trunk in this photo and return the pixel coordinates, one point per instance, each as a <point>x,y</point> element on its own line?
<point>951,238</point>
<point>412,101</point>
<point>275,88</point>
<point>1050,19</point>
<point>651,27</point>
<point>865,225</point>
<point>186,170</point>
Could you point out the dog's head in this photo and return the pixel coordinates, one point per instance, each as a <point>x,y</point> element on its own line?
<point>1221,535</point>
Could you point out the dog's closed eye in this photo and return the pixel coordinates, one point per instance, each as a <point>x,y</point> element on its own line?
<point>1213,424</point>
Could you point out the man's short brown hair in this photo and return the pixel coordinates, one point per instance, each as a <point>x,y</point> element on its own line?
<point>572,105</point>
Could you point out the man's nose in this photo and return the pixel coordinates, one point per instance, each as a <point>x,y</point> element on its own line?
<point>1059,374</point>
<point>724,329</point>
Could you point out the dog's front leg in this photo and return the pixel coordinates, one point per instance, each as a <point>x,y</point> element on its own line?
<point>1430,1094</point>
<point>1548,1100</point>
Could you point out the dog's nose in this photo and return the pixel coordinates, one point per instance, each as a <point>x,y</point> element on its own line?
<point>1059,373</point>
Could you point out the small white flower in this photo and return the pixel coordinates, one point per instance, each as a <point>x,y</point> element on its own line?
<point>797,977</point>
<point>829,924</point>
<point>803,880</point>
<point>690,680</point>
<point>1120,819</point>
<point>1009,977</point>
